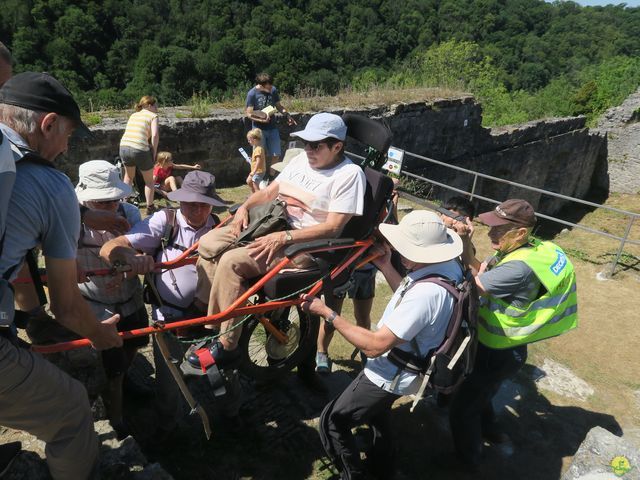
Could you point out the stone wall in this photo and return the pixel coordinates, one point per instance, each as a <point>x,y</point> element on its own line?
<point>622,127</point>
<point>560,155</point>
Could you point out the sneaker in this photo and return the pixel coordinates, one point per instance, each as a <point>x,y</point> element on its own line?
<point>8,453</point>
<point>323,363</point>
<point>217,351</point>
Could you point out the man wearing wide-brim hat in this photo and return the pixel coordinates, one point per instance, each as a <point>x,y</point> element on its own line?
<point>142,247</point>
<point>528,290</point>
<point>417,312</point>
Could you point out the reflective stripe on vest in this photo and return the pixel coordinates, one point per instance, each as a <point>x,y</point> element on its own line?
<point>502,325</point>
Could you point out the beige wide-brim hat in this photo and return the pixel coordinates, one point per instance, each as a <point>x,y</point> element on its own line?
<point>422,237</point>
<point>99,180</point>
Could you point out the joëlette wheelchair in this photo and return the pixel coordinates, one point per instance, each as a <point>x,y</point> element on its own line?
<point>276,333</point>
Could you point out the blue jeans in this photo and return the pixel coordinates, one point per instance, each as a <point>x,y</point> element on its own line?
<point>271,141</point>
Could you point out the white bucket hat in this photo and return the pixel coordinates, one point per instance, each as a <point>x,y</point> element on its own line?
<point>321,126</point>
<point>422,237</point>
<point>99,180</point>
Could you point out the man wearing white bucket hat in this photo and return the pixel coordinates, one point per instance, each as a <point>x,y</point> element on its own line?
<point>417,314</point>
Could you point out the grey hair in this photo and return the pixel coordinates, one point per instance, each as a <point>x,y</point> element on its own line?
<point>25,121</point>
<point>22,120</point>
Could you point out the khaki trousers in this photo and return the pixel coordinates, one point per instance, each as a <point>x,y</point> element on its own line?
<point>223,278</point>
<point>39,398</point>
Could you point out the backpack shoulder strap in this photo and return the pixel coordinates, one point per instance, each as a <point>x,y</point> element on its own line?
<point>444,282</point>
<point>32,263</point>
<point>169,227</point>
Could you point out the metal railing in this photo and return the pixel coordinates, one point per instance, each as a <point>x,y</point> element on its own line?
<point>472,194</point>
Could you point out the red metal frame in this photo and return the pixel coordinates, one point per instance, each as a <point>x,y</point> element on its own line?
<point>237,308</point>
<point>179,261</point>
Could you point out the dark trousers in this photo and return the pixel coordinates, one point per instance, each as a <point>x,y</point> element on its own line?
<point>471,411</point>
<point>361,403</point>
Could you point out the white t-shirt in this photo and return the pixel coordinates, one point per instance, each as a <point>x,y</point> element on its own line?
<point>423,314</point>
<point>312,193</point>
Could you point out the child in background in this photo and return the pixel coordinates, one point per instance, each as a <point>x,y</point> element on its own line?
<point>258,159</point>
<point>163,176</point>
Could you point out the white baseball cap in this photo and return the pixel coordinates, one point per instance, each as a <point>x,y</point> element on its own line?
<point>422,237</point>
<point>321,126</point>
<point>100,180</point>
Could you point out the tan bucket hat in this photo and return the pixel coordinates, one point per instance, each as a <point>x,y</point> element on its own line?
<point>422,237</point>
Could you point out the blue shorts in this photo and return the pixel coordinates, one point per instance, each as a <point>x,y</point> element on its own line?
<point>271,142</point>
<point>257,178</point>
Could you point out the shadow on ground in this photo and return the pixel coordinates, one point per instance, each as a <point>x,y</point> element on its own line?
<point>276,437</point>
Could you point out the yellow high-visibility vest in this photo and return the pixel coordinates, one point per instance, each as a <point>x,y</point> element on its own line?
<point>501,325</point>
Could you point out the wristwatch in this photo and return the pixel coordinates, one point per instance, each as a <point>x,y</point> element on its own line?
<point>288,238</point>
<point>332,316</point>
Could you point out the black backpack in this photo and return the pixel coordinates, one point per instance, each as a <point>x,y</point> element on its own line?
<point>445,367</point>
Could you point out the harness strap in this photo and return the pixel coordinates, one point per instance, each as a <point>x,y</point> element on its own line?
<point>206,359</point>
<point>35,276</point>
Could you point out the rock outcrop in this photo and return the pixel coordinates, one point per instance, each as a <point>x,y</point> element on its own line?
<point>602,455</point>
<point>622,126</point>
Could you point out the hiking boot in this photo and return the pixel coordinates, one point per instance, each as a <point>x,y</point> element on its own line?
<point>221,356</point>
<point>8,453</point>
<point>323,363</point>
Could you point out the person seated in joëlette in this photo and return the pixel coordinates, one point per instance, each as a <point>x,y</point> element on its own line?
<point>322,189</point>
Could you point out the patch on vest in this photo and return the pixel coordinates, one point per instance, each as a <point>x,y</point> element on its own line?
<point>559,264</point>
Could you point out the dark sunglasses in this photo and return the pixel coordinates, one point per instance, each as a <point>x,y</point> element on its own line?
<point>106,202</point>
<point>314,146</point>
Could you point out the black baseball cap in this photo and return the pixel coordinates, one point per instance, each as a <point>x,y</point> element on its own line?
<point>43,93</point>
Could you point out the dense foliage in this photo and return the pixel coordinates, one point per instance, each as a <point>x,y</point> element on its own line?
<point>523,58</point>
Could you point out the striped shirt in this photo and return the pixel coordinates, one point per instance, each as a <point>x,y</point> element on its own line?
<point>138,132</point>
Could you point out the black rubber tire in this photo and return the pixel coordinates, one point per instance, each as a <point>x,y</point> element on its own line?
<point>257,362</point>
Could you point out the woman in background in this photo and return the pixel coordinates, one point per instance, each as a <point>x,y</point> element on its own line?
<point>139,146</point>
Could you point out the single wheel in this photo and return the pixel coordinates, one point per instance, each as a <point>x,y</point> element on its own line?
<point>263,356</point>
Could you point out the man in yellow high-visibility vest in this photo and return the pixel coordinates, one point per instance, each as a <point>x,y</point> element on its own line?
<point>528,290</point>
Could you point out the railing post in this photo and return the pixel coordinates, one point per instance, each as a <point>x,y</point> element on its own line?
<point>622,242</point>
<point>473,187</point>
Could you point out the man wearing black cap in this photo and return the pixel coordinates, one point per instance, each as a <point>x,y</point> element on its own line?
<point>37,116</point>
<point>529,294</point>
